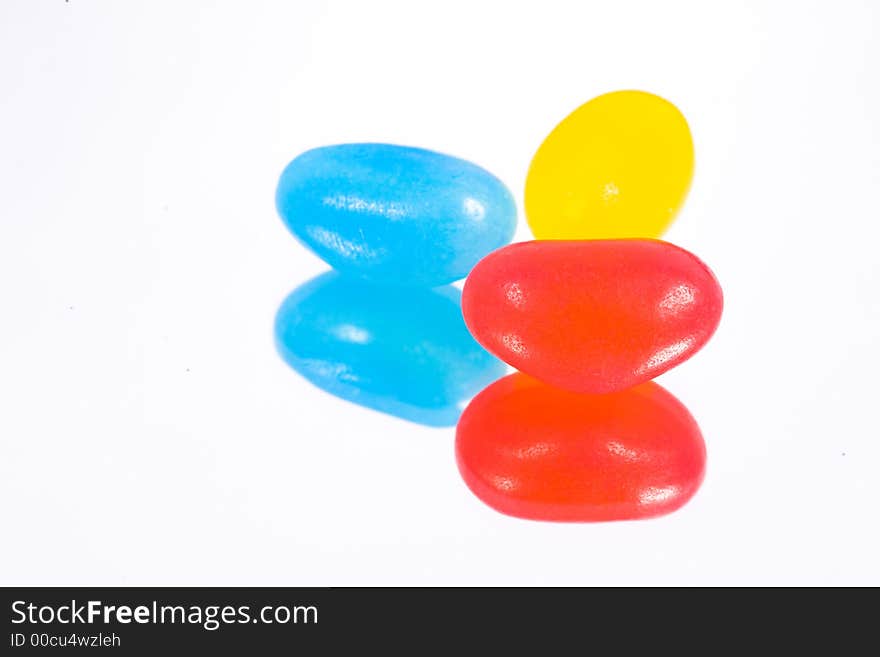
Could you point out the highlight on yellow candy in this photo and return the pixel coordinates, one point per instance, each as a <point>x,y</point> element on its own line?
<point>618,166</point>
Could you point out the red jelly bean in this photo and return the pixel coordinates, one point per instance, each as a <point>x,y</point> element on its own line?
<point>592,316</point>
<point>534,451</point>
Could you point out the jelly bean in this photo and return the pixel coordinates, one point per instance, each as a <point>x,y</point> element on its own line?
<point>618,166</point>
<point>395,214</point>
<point>592,316</point>
<point>534,451</point>
<point>405,352</point>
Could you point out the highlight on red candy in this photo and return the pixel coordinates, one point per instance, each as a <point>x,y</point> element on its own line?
<point>534,451</point>
<point>593,316</point>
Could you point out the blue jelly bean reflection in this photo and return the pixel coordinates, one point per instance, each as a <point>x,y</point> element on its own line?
<point>401,351</point>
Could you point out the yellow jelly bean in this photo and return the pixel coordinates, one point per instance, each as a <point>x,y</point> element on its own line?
<point>618,166</point>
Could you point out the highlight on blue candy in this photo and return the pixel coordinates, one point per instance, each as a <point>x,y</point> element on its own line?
<point>395,214</point>
<point>402,351</point>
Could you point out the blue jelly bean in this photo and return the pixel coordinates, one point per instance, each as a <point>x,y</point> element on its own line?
<point>395,214</point>
<point>402,351</point>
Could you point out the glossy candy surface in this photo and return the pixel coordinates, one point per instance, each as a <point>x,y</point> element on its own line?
<point>618,166</point>
<point>592,316</point>
<point>405,352</point>
<point>534,451</point>
<point>394,214</point>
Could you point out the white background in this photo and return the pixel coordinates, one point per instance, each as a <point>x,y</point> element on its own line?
<point>149,433</point>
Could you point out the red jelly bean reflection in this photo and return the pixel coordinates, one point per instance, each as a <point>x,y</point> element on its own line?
<point>592,316</point>
<point>534,451</point>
